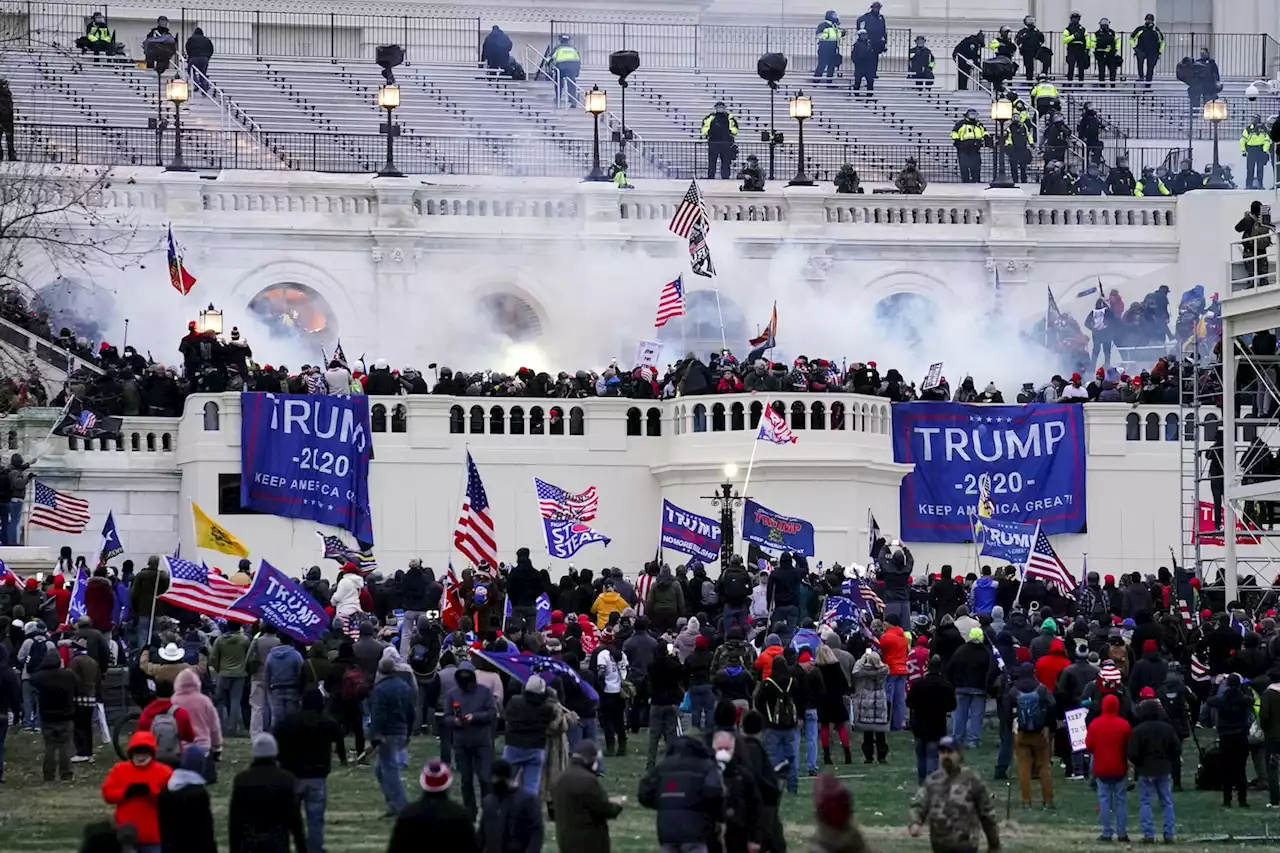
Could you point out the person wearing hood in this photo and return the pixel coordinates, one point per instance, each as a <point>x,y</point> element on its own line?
<point>685,639</point>
<point>1048,671</point>
<point>582,807</point>
<point>469,712</point>
<point>1031,706</point>
<point>133,786</point>
<point>510,820</point>
<point>607,602</point>
<point>306,740</point>
<point>317,587</point>
<point>686,791</point>
<point>147,584</point>
<point>61,597</point>
<point>1152,750</point>
<point>955,804</point>
<point>1107,741</point>
<point>524,585</point>
<point>391,715</point>
<point>184,815</point>
<point>969,671</point>
<point>528,716</point>
<point>982,597</point>
<point>99,600</point>
<point>1150,670</point>
<point>10,700</point>
<point>283,676</point>
<point>263,816</point>
<point>946,595</point>
<point>35,647</point>
<point>871,706</point>
<point>56,686</point>
<point>931,698</point>
<point>947,639</point>
<point>206,727</point>
<point>784,592</point>
<point>665,602</point>
<point>1231,713</point>
<point>1040,645</point>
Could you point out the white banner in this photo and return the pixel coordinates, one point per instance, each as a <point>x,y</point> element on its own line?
<point>1076,727</point>
<point>934,376</point>
<point>648,353</point>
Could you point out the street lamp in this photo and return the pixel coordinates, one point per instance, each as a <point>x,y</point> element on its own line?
<point>211,320</point>
<point>800,108</point>
<point>1002,114</point>
<point>595,103</point>
<point>726,499</point>
<point>389,99</point>
<point>177,93</point>
<point>1215,112</point>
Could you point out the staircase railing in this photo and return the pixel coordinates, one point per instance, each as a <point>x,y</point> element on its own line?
<point>233,116</point>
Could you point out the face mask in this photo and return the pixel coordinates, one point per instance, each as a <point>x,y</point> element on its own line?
<point>724,756</point>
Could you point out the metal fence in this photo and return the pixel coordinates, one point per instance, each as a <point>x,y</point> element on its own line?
<point>436,155</point>
<point>1166,116</point>
<point>1237,54</point>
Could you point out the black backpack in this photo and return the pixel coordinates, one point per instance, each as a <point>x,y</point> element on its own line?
<point>737,589</point>
<point>35,656</point>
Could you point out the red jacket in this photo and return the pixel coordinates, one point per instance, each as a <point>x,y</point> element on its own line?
<point>917,662</point>
<point>61,598</point>
<point>186,732</point>
<point>1108,741</point>
<point>99,603</point>
<point>141,811</point>
<point>764,662</point>
<point>893,650</point>
<point>1049,667</point>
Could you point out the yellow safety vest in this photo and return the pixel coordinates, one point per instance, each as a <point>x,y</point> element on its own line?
<point>566,53</point>
<point>99,33</point>
<point>1254,138</point>
<point>1160,188</point>
<point>1044,90</point>
<point>1069,38</point>
<point>969,132</point>
<point>829,33</point>
<point>620,178</point>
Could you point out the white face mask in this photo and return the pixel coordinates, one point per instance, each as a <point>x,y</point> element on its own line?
<point>723,756</point>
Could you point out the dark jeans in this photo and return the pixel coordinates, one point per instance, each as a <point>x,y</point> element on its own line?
<point>314,795</point>
<point>662,726</point>
<point>57,750</point>
<point>718,151</point>
<point>638,712</point>
<point>1146,66</point>
<point>1234,752</point>
<point>703,699</point>
<point>1256,160</point>
<point>475,763</point>
<point>1075,65</point>
<point>874,745</point>
<point>82,730</point>
<point>612,710</point>
<point>1273,767</point>
<point>228,695</point>
<point>4,734</point>
<point>926,758</point>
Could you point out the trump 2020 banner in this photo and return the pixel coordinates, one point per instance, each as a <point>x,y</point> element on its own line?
<point>307,456</point>
<point>690,533</point>
<point>1010,541</point>
<point>768,529</point>
<point>1026,462</point>
<point>279,600</point>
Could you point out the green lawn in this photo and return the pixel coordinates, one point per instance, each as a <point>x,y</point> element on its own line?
<point>47,818</point>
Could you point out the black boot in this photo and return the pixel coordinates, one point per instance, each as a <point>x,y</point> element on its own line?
<point>826,755</point>
<point>848,755</point>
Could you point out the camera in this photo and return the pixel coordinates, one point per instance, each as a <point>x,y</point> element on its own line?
<point>1252,92</point>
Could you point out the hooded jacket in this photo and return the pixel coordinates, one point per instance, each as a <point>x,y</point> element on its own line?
<point>529,715</point>
<point>609,601</point>
<point>1108,741</point>
<point>666,598</point>
<point>205,726</point>
<point>895,572</point>
<point>686,791</point>
<point>99,602</point>
<point>893,649</point>
<point>1150,671</point>
<point>346,596</point>
<point>264,814</point>
<point>469,697</point>
<point>784,583</point>
<point>1154,745</point>
<point>137,809</point>
<point>930,699</point>
<point>283,668</point>
<point>1049,667</point>
<point>186,818</point>
<point>307,738</point>
<point>983,595</point>
<point>970,666</point>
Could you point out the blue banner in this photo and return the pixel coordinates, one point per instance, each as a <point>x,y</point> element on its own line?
<point>280,600</point>
<point>690,533</point>
<point>111,547</point>
<point>520,666</point>
<point>768,529</point>
<point>1005,540</point>
<point>76,608</point>
<point>543,605</point>
<point>307,456</point>
<point>565,538</point>
<point>1024,463</point>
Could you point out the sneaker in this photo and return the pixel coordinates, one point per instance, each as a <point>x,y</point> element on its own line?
<point>1269,805</point>
<point>81,759</point>
<point>1123,839</point>
<point>1001,773</point>
<point>1105,839</point>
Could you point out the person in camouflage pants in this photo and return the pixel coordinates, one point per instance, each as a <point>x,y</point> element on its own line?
<point>955,804</point>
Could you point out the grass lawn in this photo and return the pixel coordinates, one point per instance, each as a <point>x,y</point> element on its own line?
<point>36,817</point>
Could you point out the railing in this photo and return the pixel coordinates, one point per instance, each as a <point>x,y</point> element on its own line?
<point>436,155</point>
<point>41,349</point>
<point>1165,115</point>
<point>1237,54</point>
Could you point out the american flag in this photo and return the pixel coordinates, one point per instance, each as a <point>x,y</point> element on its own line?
<point>690,212</point>
<point>670,302</point>
<point>202,591</point>
<point>58,511</point>
<point>336,549</point>
<point>870,595</point>
<point>1199,672</point>
<point>774,429</point>
<point>474,536</point>
<point>555,503</point>
<point>1045,564</point>
<point>1185,611</point>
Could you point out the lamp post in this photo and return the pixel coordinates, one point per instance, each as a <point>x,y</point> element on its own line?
<point>211,320</point>
<point>800,108</point>
<point>1001,114</point>
<point>1215,112</point>
<point>726,499</point>
<point>389,99</point>
<point>595,103</point>
<point>177,93</point>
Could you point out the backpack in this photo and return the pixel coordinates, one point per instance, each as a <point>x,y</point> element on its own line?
<point>736,588</point>
<point>1030,711</point>
<point>709,597</point>
<point>35,655</point>
<point>785,716</point>
<point>354,688</point>
<point>164,729</point>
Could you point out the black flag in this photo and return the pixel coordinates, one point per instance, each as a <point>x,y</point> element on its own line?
<point>699,253</point>
<point>79,421</point>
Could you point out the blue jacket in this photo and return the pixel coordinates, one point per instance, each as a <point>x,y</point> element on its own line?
<point>283,668</point>
<point>476,701</point>
<point>390,709</point>
<point>984,596</point>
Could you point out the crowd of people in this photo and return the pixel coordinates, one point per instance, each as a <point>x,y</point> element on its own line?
<point>743,683</point>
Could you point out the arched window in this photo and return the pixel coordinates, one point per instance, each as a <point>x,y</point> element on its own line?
<point>151,442</point>
<point>717,417</point>
<point>879,420</point>
<point>497,421</point>
<point>797,415</point>
<point>837,415</point>
<point>653,422</point>
<point>12,439</point>
<point>699,418</point>
<point>1189,428</point>
<point>575,421</point>
<point>1170,427</point>
<point>633,421</point>
<point>1152,432</point>
<point>378,418</point>
<point>166,442</point>
<point>135,442</point>
<point>818,418</point>
<point>517,420</point>
<point>1133,427</point>
<point>211,419</point>
<point>455,421</point>
<point>400,418</point>
<point>557,420</point>
<point>736,417</point>
<point>536,423</point>
<point>757,409</point>
<point>477,420</point>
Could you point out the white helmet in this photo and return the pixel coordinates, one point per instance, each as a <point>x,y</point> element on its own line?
<point>381,364</point>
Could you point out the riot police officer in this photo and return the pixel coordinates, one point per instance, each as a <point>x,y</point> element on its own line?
<point>829,35</point>
<point>1033,47</point>
<point>1147,42</point>
<point>920,64</point>
<point>1078,43</point>
<point>968,58</point>
<point>1255,145</point>
<point>720,129</point>
<point>1106,51</point>
<point>969,136</point>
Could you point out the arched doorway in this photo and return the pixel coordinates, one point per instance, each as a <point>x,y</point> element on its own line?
<point>296,312</point>
<point>511,316</point>
<point>699,327</point>
<point>906,315</point>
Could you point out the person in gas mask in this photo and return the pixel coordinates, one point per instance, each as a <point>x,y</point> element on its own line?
<point>1106,51</point>
<point>720,129</point>
<point>1078,43</point>
<point>1032,47</point>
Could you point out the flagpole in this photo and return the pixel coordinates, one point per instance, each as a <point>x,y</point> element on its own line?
<point>1022,570</point>
<point>755,443</point>
<point>720,315</point>
<point>977,551</point>
<point>466,450</point>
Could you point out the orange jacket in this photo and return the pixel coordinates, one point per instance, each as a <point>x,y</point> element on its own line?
<point>893,650</point>
<point>140,810</point>
<point>764,662</point>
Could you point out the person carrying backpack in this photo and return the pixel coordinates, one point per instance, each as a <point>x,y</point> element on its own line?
<point>168,724</point>
<point>734,592</point>
<point>30,655</point>
<point>776,702</point>
<point>1031,705</point>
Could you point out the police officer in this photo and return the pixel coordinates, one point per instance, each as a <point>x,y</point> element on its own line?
<point>1078,43</point>
<point>1044,95</point>
<point>1091,183</point>
<point>968,58</point>
<point>1003,44</point>
<point>567,62</point>
<point>877,28</point>
<point>1255,145</point>
<point>1054,181</point>
<point>969,135</point>
<point>865,62</point>
<point>1106,50</point>
<point>1120,180</point>
<point>97,37</point>
<point>1150,185</point>
<point>1033,46</point>
<point>1089,129</point>
<point>1147,42</point>
<point>1057,138</point>
<point>618,172</point>
<point>1186,179</point>
<point>1020,141</point>
<point>720,129</point>
<point>829,35</point>
<point>920,64</point>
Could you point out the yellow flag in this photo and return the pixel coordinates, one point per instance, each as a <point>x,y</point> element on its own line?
<point>211,535</point>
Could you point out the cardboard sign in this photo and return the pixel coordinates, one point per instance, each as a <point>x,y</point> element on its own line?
<point>934,376</point>
<point>1076,727</point>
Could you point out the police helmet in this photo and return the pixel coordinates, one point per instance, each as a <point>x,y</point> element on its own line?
<point>1148,170</point>
<point>875,6</point>
<point>1256,119</point>
<point>1043,78</point>
<point>1004,31</point>
<point>564,38</point>
<point>719,104</point>
<point>1104,22</point>
<point>1150,18</point>
<point>911,161</point>
<point>920,39</point>
<point>971,113</point>
<point>1075,16</point>
<point>831,16</point>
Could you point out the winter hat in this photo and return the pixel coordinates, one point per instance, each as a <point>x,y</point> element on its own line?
<point>264,746</point>
<point>976,635</point>
<point>1149,647</point>
<point>772,640</point>
<point>1206,614</point>
<point>1110,673</point>
<point>1048,626</point>
<point>436,777</point>
<point>1147,693</point>
<point>535,684</point>
<point>805,656</point>
<point>701,642</point>
<point>193,759</point>
<point>1109,580</point>
<point>832,802</point>
<point>1024,654</point>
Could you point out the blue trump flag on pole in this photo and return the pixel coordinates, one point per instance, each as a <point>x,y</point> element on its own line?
<point>281,601</point>
<point>543,605</point>
<point>76,608</point>
<point>768,529</point>
<point>566,538</point>
<point>1006,540</point>
<point>690,533</point>
<point>307,456</point>
<point>520,666</point>
<point>111,547</point>
<point>1033,456</point>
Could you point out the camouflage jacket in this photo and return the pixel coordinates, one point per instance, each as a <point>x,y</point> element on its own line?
<point>956,808</point>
